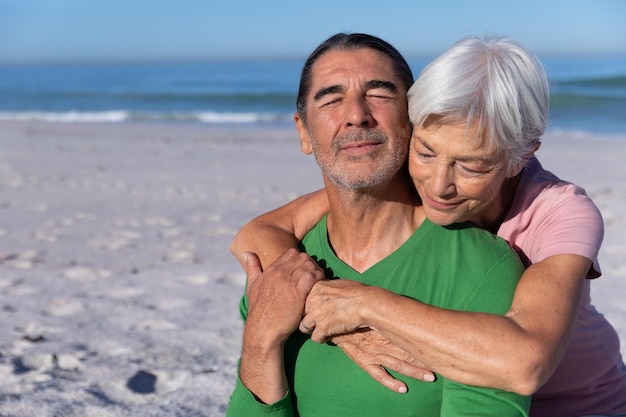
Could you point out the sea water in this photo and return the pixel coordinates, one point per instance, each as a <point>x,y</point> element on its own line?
<point>588,93</point>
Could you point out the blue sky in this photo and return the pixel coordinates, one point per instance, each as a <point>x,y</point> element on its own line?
<point>60,30</point>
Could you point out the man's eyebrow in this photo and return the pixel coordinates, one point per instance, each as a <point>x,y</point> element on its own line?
<point>387,85</point>
<point>333,89</point>
<point>370,85</point>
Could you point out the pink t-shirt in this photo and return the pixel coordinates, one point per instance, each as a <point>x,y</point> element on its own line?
<point>550,217</point>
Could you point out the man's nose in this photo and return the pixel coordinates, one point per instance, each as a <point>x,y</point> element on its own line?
<point>358,112</point>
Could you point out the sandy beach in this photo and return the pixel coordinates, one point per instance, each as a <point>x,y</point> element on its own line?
<point>118,294</point>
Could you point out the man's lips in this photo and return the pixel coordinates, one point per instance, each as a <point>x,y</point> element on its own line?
<point>359,146</point>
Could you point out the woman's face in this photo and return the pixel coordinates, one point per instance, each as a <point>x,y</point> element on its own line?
<point>458,175</point>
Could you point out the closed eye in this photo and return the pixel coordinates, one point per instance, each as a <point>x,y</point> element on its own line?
<point>379,96</point>
<point>381,89</point>
<point>329,101</point>
<point>329,95</point>
<point>472,172</point>
<point>422,155</point>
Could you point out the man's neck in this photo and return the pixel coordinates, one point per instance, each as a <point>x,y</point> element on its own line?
<point>364,227</point>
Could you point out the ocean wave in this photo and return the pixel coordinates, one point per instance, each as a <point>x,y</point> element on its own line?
<point>119,116</point>
<point>589,99</point>
<point>618,82</point>
<point>67,117</point>
<point>176,98</point>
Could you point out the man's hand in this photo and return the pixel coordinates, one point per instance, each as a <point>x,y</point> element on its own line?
<point>375,354</point>
<point>276,304</point>
<point>277,295</point>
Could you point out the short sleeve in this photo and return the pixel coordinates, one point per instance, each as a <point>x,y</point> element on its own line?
<point>571,224</point>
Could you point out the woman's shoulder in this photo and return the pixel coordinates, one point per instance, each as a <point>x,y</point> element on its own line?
<point>540,185</point>
<point>542,196</point>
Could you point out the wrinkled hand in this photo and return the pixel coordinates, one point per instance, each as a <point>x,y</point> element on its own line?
<point>332,313</point>
<point>332,308</point>
<point>373,353</point>
<point>277,295</point>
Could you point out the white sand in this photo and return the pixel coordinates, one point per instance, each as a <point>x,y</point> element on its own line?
<point>118,294</point>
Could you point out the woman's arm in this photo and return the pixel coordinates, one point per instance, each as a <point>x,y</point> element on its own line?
<point>270,234</point>
<point>520,351</point>
<point>517,352</point>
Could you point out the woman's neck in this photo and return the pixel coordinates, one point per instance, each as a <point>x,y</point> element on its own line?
<point>501,208</point>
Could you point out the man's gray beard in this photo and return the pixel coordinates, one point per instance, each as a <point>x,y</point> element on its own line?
<point>383,174</point>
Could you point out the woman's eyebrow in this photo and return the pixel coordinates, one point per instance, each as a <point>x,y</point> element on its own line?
<point>485,159</point>
<point>424,144</point>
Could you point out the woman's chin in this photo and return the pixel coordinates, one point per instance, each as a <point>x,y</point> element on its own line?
<point>442,219</point>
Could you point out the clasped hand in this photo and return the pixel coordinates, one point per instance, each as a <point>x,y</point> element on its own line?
<point>332,308</point>
<point>292,293</point>
<point>332,313</point>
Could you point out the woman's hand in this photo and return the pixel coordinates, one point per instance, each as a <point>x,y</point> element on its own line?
<point>332,308</point>
<point>376,355</point>
<point>332,312</point>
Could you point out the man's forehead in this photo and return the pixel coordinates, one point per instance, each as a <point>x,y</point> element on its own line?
<point>364,63</point>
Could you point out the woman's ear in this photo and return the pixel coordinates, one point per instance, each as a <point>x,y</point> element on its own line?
<point>536,147</point>
<point>305,141</point>
<point>518,168</point>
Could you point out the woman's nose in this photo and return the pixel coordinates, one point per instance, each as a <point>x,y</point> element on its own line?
<point>442,181</point>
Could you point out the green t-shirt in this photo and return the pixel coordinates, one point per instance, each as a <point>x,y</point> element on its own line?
<point>459,267</point>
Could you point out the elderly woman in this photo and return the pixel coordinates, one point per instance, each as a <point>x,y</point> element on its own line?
<point>478,112</point>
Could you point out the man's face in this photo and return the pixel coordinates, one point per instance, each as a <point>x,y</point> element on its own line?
<point>357,122</point>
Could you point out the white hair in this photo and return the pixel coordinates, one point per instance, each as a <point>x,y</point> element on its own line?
<point>495,86</point>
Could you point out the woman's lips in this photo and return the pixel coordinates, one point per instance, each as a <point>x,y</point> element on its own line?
<point>442,206</point>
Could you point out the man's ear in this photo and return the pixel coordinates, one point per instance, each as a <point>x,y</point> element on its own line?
<point>305,141</point>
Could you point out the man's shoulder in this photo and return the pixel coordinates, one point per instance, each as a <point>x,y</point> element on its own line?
<point>474,234</point>
<point>316,239</point>
<point>466,242</point>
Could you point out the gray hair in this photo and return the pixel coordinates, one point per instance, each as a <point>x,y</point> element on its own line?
<point>495,85</point>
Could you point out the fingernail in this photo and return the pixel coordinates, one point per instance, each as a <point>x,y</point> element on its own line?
<point>402,390</point>
<point>429,378</point>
